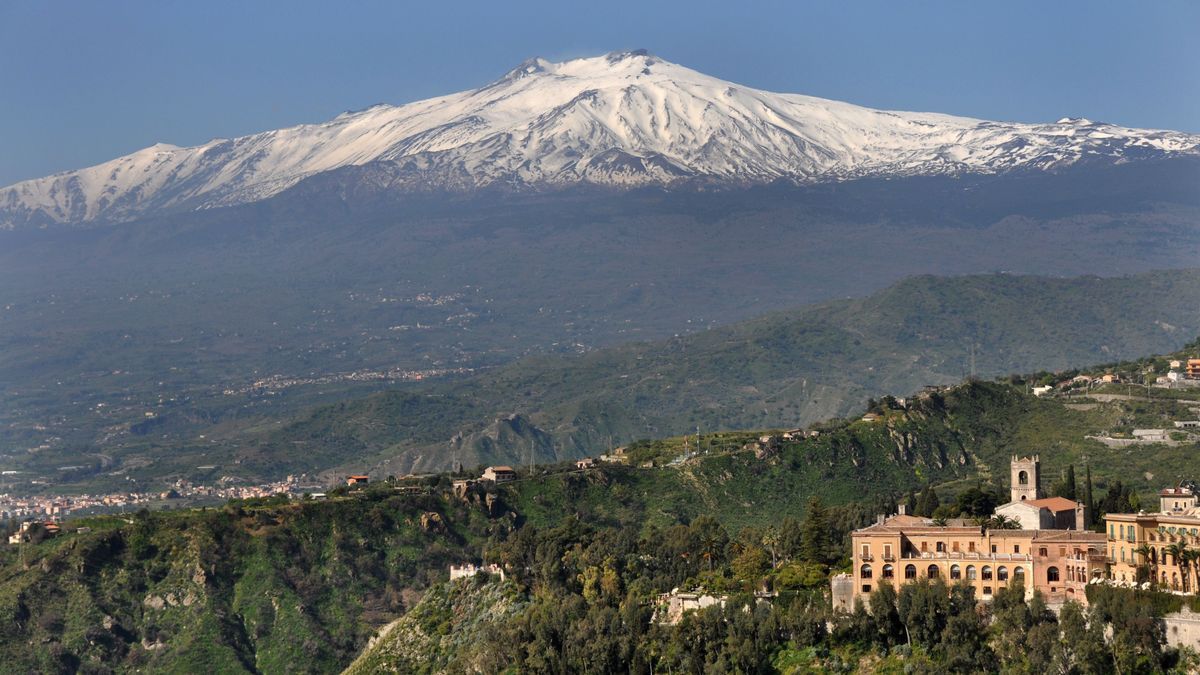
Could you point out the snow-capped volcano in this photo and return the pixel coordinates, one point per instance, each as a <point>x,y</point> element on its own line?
<point>621,119</point>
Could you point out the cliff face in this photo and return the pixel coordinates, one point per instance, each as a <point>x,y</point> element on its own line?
<point>444,631</point>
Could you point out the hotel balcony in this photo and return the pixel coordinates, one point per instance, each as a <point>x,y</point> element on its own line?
<point>967,556</point>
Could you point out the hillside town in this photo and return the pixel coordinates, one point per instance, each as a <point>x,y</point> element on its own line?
<point>51,508</point>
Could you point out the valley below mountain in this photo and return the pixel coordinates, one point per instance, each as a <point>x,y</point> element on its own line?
<point>783,370</point>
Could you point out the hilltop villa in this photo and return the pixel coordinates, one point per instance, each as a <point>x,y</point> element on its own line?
<point>1163,547</point>
<point>1051,552</point>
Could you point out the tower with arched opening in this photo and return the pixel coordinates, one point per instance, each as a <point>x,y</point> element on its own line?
<point>1026,478</point>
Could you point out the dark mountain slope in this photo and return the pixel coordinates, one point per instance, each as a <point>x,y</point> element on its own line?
<point>786,369</point>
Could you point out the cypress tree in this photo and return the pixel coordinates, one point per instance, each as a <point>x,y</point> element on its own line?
<point>814,541</point>
<point>928,502</point>
<point>1091,503</point>
<point>1071,488</point>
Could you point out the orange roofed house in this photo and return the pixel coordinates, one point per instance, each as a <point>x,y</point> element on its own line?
<point>1193,369</point>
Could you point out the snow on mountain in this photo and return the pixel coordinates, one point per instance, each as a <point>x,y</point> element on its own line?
<point>621,119</point>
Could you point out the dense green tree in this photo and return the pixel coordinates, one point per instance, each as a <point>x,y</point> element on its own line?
<point>976,501</point>
<point>750,566</point>
<point>963,647</point>
<point>1066,487</point>
<point>1011,621</point>
<point>815,533</point>
<point>927,502</point>
<point>790,538</point>
<point>888,628</point>
<point>1081,648</point>
<point>923,607</point>
<point>1089,498</point>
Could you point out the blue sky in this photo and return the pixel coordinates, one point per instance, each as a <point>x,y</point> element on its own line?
<point>86,81</point>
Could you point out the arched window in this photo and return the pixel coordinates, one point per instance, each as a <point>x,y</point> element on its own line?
<point>1052,574</point>
<point>1002,573</point>
<point>955,572</point>
<point>910,571</point>
<point>888,572</point>
<point>865,571</point>
<point>987,573</point>
<point>971,575</point>
<point>1023,478</point>
<point>933,571</point>
<point>1019,573</point>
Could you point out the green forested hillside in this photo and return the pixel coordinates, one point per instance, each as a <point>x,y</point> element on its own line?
<point>273,586</point>
<point>253,587</point>
<point>786,369</point>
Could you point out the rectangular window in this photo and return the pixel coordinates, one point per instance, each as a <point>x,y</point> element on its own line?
<point>887,550</point>
<point>866,550</point>
<point>1016,548</point>
<point>866,587</point>
<point>1062,551</point>
<point>954,547</point>
<point>987,590</point>
<point>971,546</point>
<point>993,548</point>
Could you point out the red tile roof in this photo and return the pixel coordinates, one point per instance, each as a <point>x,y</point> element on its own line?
<point>1054,503</point>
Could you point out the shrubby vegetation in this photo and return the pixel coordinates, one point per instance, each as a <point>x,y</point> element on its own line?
<point>593,607</point>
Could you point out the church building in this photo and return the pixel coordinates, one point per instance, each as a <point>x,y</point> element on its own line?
<point>1032,509</point>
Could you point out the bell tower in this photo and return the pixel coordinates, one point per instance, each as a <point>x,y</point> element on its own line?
<point>1026,478</point>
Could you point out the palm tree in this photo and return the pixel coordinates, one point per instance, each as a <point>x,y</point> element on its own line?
<point>1189,558</point>
<point>1180,557</point>
<point>940,522</point>
<point>770,540</point>
<point>1003,522</point>
<point>1149,562</point>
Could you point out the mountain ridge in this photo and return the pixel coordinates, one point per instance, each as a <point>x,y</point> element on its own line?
<point>788,368</point>
<point>624,119</point>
